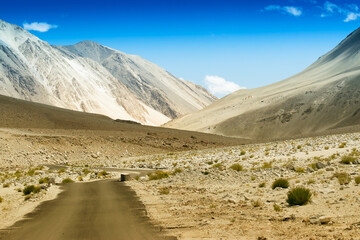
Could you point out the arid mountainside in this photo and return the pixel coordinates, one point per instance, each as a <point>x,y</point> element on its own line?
<point>92,78</point>
<point>324,98</point>
<point>33,133</point>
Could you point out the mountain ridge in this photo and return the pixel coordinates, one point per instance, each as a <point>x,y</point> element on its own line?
<point>33,70</point>
<point>321,98</point>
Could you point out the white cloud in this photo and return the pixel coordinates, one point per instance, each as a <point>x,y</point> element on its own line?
<point>219,86</point>
<point>40,27</point>
<point>352,17</point>
<point>294,11</point>
<point>349,11</point>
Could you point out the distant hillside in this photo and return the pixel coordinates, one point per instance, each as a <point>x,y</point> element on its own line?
<point>323,98</point>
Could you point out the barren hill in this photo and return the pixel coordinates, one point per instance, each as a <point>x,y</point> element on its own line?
<point>323,98</point>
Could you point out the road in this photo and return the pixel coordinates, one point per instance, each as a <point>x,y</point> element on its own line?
<point>94,210</point>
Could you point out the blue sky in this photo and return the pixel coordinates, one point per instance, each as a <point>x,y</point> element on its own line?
<point>220,44</point>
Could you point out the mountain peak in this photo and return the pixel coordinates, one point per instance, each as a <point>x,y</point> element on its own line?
<point>13,35</point>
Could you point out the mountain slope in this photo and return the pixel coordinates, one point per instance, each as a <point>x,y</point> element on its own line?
<point>147,81</point>
<point>33,70</point>
<point>323,97</point>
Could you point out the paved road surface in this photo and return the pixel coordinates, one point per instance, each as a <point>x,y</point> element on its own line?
<point>102,210</point>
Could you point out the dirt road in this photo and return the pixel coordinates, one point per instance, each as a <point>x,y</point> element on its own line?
<point>96,210</point>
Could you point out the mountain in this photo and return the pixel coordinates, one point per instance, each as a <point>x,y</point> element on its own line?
<point>323,98</point>
<point>25,118</point>
<point>92,78</point>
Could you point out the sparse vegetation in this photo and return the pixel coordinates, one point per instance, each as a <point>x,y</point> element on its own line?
<point>242,153</point>
<point>164,190</point>
<point>31,172</point>
<point>267,165</point>
<point>300,170</point>
<point>1,199</point>
<point>347,159</point>
<point>177,170</point>
<point>343,178</point>
<point>257,203</point>
<point>6,185</point>
<point>262,185</point>
<point>86,171</point>
<point>62,170</point>
<point>298,196</point>
<point>310,181</point>
<point>357,180</point>
<point>280,183</point>
<point>236,167</point>
<point>67,180</point>
<point>342,145</point>
<point>102,174</point>
<point>31,189</point>
<point>277,208</point>
<point>157,175</point>
<point>44,180</point>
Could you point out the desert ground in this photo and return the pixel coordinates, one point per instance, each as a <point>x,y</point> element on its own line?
<point>193,185</point>
<point>198,194</point>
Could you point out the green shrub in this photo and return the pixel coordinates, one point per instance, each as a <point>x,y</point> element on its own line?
<point>343,178</point>
<point>347,159</point>
<point>277,208</point>
<point>67,180</point>
<point>298,196</point>
<point>158,175</point>
<point>281,182</point>
<point>6,185</point>
<point>86,171</point>
<point>262,185</point>
<point>310,181</point>
<point>218,166</point>
<point>164,190</point>
<point>242,153</point>
<point>300,170</point>
<point>236,167</point>
<point>31,189</point>
<point>62,170</point>
<point>357,180</point>
<point>342,145</point>
<point>267,165</point>
<point>31,172</point>
<point>1,199</point>
<point>44,180</point>
<point>177,170</point>
<point>102,174</point>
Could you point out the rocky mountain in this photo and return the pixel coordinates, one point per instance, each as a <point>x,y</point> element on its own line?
<point>92,78</point>
<point>323,98</point>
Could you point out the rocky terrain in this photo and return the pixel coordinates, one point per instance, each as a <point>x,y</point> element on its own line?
<point>205,198</point>
<point>216,193</point>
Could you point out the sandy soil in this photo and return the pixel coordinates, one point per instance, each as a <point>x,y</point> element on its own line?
<point>205,199</point>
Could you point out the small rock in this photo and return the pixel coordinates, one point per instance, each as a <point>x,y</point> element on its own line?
<point>330,169</point>
<point>324,220</point>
